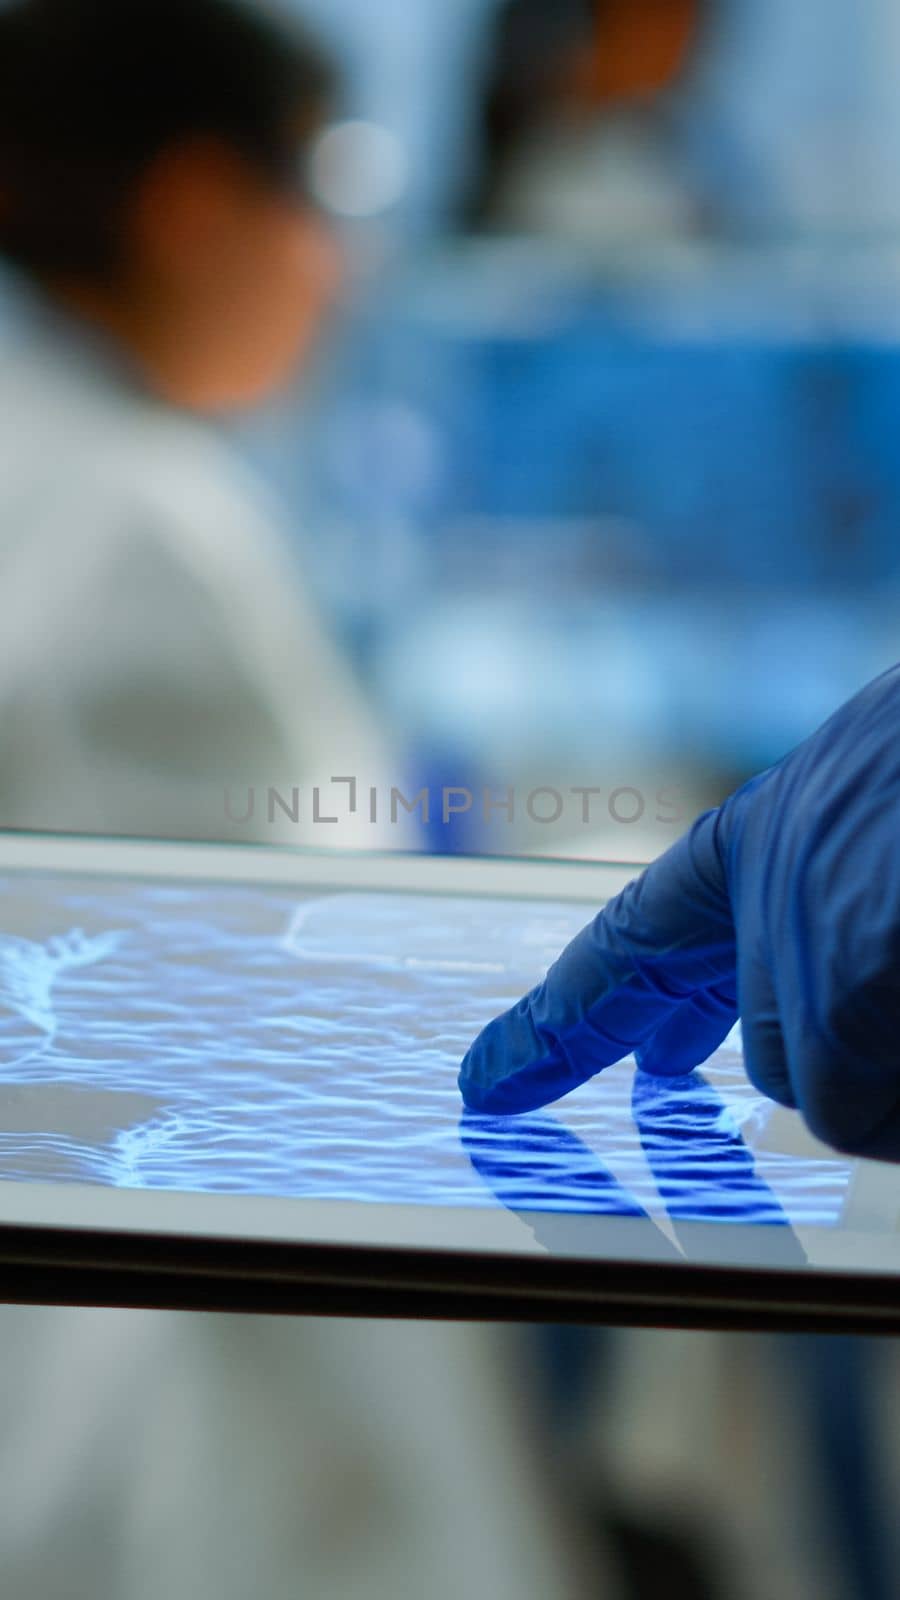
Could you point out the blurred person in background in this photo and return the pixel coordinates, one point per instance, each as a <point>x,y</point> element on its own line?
<point>580,121</point>
<point>159,645</point>
<point>156,645</point>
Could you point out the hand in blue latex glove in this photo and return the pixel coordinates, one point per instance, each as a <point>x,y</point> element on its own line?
<point>783,905</point>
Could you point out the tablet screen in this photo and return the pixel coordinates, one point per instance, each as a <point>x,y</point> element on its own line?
<point>304,1044</point>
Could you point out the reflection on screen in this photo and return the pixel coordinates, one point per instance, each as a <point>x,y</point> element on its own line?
<point>262,1041</point>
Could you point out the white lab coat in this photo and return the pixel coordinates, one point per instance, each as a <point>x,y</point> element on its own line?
<point>155,645</point>
<point>158,647</point>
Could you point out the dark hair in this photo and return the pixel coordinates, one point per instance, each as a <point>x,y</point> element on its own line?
<point>526,41</point>
<point>91,91</point>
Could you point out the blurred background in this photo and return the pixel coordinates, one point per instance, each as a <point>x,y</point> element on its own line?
<point>593,477</point>
<point>599,482</point>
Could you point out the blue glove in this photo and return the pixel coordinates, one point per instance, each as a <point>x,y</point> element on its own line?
<point>782,906</point>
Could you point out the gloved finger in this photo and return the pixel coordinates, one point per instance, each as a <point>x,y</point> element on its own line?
<point>668,935</point>
<point>846,1071</point>
<point>510,1068</point>
<point>690,1035</point>
<point>765,1054</point>
<point>595,1006</point>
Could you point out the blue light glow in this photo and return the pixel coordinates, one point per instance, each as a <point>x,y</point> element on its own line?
<point>259,1041</point>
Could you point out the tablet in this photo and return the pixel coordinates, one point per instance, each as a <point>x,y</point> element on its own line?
<point>228,1081</point>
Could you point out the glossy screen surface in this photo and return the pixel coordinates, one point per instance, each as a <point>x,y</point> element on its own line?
<point>305,1044</point>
